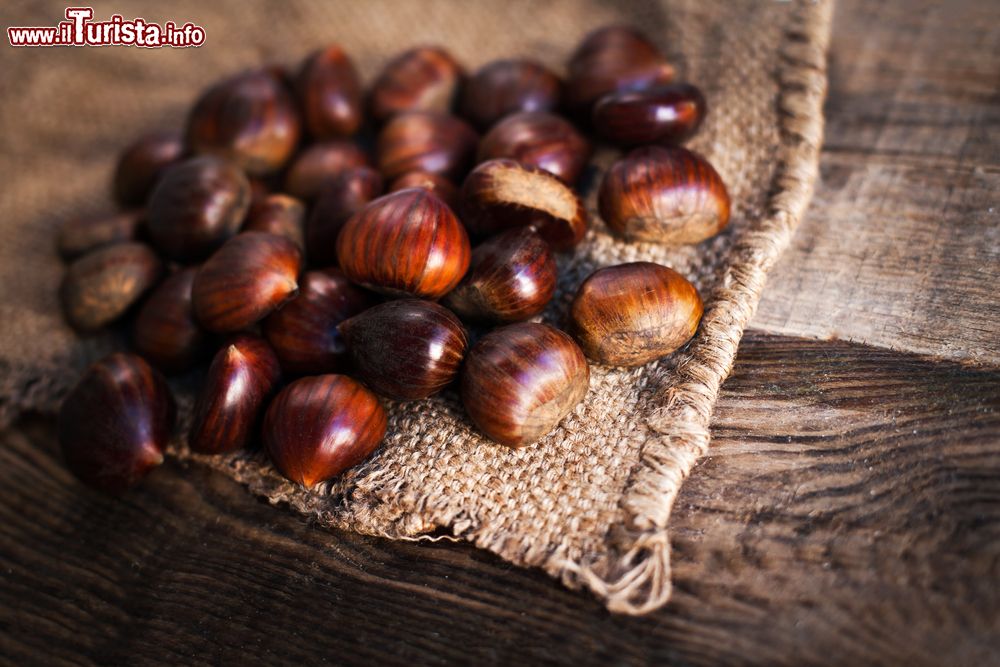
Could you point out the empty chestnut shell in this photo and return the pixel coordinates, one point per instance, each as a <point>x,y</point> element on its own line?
<point>631,314</point>
<point>165,332</point>
<point>115,424</point>
<point>426,141</point>
<point>503,87</point>
<point>511,278</point>
<point>141,165</point>
<point>538,139</point>
<point>250,119</point>
<point>99,287</point>
<point>304,332</point>
<point>439,185</point>
<point>426,78</point>
<point>278,214</point>
<point>196,206</point>
<point>240,380</point>
<point>320,164</point>
<point>81,235</point>
<point>405,243</point>
<point>664,115</point>
<point>519,381</point>
<point>249,277</point>
<point>664,195</point>
<point>318,427</point>
<point>343,197</point>
<point>329,92</point>
<point>501,194</point>
<point>406,350</point>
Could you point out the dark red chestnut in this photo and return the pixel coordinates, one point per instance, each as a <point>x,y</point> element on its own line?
<point>664,195</point>
<point>519,381</point>
<point>99,287</point>
<point>405,243</point>
<point>81,235</point>
<point>196,206</point>
<point>249,277</point>
<point>343,197</point>
<point>250,119</point>
<point>503,87</point>
<point>538,139</point>
<point>116,423</point>
<point>165,332</point>
<point>425,141</point>
<point>318,427</point>
<point>240,380</point>
<point>502,194</point>
<point>329,92</point>
<point>426,78</point>
<point>141,165</point>
<point>278,214</point>
<point>663,115</point>
<point>407,349</point>
<point>304,332</point>
<point>439,185</point>
<point>511,278</point>
<point>320,164</point>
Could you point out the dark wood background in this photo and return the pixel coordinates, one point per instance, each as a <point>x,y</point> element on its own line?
<point>848,513</point>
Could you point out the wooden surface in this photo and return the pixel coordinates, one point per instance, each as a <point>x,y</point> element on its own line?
<point>848,513</point>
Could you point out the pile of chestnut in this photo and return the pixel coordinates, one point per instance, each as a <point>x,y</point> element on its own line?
<point>324,258</point>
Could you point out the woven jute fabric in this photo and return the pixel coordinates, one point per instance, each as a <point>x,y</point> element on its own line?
<point>590,503</point>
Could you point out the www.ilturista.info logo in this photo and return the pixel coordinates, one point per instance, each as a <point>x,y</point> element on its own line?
<point>80,30</point>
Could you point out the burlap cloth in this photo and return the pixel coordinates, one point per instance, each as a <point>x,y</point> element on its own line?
<point>589,504</point>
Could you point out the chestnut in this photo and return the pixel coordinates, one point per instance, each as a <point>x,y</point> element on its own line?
<point>141,165</point>
<point>196,206</point>
<point>250,119</point>
<point>426,141</point>
<point>426,78</point>
<point>240,380</point>
<point>320,164</point>
<point>519,381</point>
<point>538,139</point>
<point>500,194</point>
<point>663,115</point>
<point>439,185</point>
<point>503,87</point>
<point>344,196</point>
<point>664,195</point>
<point>99,287</point>
<point>115,424</point>
<point>511,278</point>
<point>81,235</point>
<point>329,93</point>
<point>631,314</point>
<point>304,332</point>
<point>407,349</point>
<point>165,332</point>
<point>318,427</point>
<point>250,276</point>
<point>405,243</point>
<point>278,214</point>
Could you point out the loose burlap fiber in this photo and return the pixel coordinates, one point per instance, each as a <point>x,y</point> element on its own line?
<point>590,503</point>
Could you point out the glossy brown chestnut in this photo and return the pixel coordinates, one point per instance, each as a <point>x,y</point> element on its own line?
<point>320,164</point>
<point>141,165</point>
<point>664,195</point>
<point>99,287</point>
<point>196,206</point>
<point>503,87</point>
<point>611,59</point>
<point>241,379</point>
<point>304,332</point>
<point>502,194</point>
<point>511,278</point>
<point>439,185</point>
<point>278,214</point>
<point>407,349</point>
<point>405,243</point>
<point>250,119</point>
<point>81,235</point>
<point>318,427</point>
<point>165,332</point>
<point>115,424</point>
<point>343,197</point>
<point>248,278</point>
<point>426,141</point>
<point>631,314</point>
<point>663,115</point>
<point>329,92</point>
<point>538,139</point>
<point>426,78</point>
<point>519,381</point>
